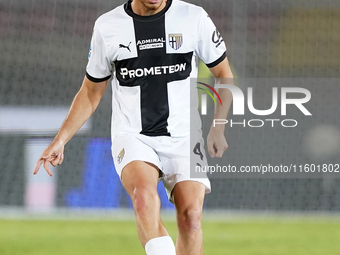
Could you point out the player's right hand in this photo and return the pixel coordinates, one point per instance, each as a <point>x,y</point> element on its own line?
<point>53,154</point>
<point>216,143</point>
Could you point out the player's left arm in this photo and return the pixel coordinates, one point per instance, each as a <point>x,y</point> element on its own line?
<point>216,141</point>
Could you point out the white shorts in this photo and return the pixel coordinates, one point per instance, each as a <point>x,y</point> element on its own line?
<point>170,155</point>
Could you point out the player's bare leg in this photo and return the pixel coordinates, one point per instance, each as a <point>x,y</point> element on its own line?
<point>189,197</point>
<point>140,180</point>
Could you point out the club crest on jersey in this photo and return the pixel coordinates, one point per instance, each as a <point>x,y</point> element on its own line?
<point>175,41</point>
<point>120,156</point>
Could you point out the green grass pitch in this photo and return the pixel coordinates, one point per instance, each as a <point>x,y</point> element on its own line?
<point>241,237</point>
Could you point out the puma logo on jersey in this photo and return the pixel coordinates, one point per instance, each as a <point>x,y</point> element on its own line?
<point>126,47</point>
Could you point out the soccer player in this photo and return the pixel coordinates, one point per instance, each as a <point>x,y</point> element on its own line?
<point>151,48</point>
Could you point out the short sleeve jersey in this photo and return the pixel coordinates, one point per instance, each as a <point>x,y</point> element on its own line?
<point>152,59</point>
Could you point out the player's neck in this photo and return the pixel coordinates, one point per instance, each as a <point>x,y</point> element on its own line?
<point>147,7</point>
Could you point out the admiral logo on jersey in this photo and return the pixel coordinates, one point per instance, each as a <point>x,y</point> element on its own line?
<point>151,43</point>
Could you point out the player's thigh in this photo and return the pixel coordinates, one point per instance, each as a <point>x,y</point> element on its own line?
<point>189,197</point>
<point>177,160</point>
<point>140,176</point>
<point>136,162</point>
<point>129,148</point>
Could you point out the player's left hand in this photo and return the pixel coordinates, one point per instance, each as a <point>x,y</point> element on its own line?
<point>216,142</point>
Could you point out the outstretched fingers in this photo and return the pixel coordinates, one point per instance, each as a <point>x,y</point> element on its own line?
<point>38,165</point>
<point>47,167</point>
<point>53,154</point>
<point>54,160</point>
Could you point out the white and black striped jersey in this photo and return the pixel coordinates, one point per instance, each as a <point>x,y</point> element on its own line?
<point>152,59</point>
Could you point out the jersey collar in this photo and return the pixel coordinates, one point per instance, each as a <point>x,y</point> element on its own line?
<point>128,10</point>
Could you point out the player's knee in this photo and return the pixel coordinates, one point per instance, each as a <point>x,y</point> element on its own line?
<point>189,220</point>
<point>145,199</point>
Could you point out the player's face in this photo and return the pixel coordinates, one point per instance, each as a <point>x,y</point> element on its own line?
<point>148,7</point>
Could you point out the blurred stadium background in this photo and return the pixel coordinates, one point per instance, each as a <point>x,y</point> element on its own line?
<point>44,46</point>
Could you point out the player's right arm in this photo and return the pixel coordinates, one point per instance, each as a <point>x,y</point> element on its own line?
<point>84,104</point>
